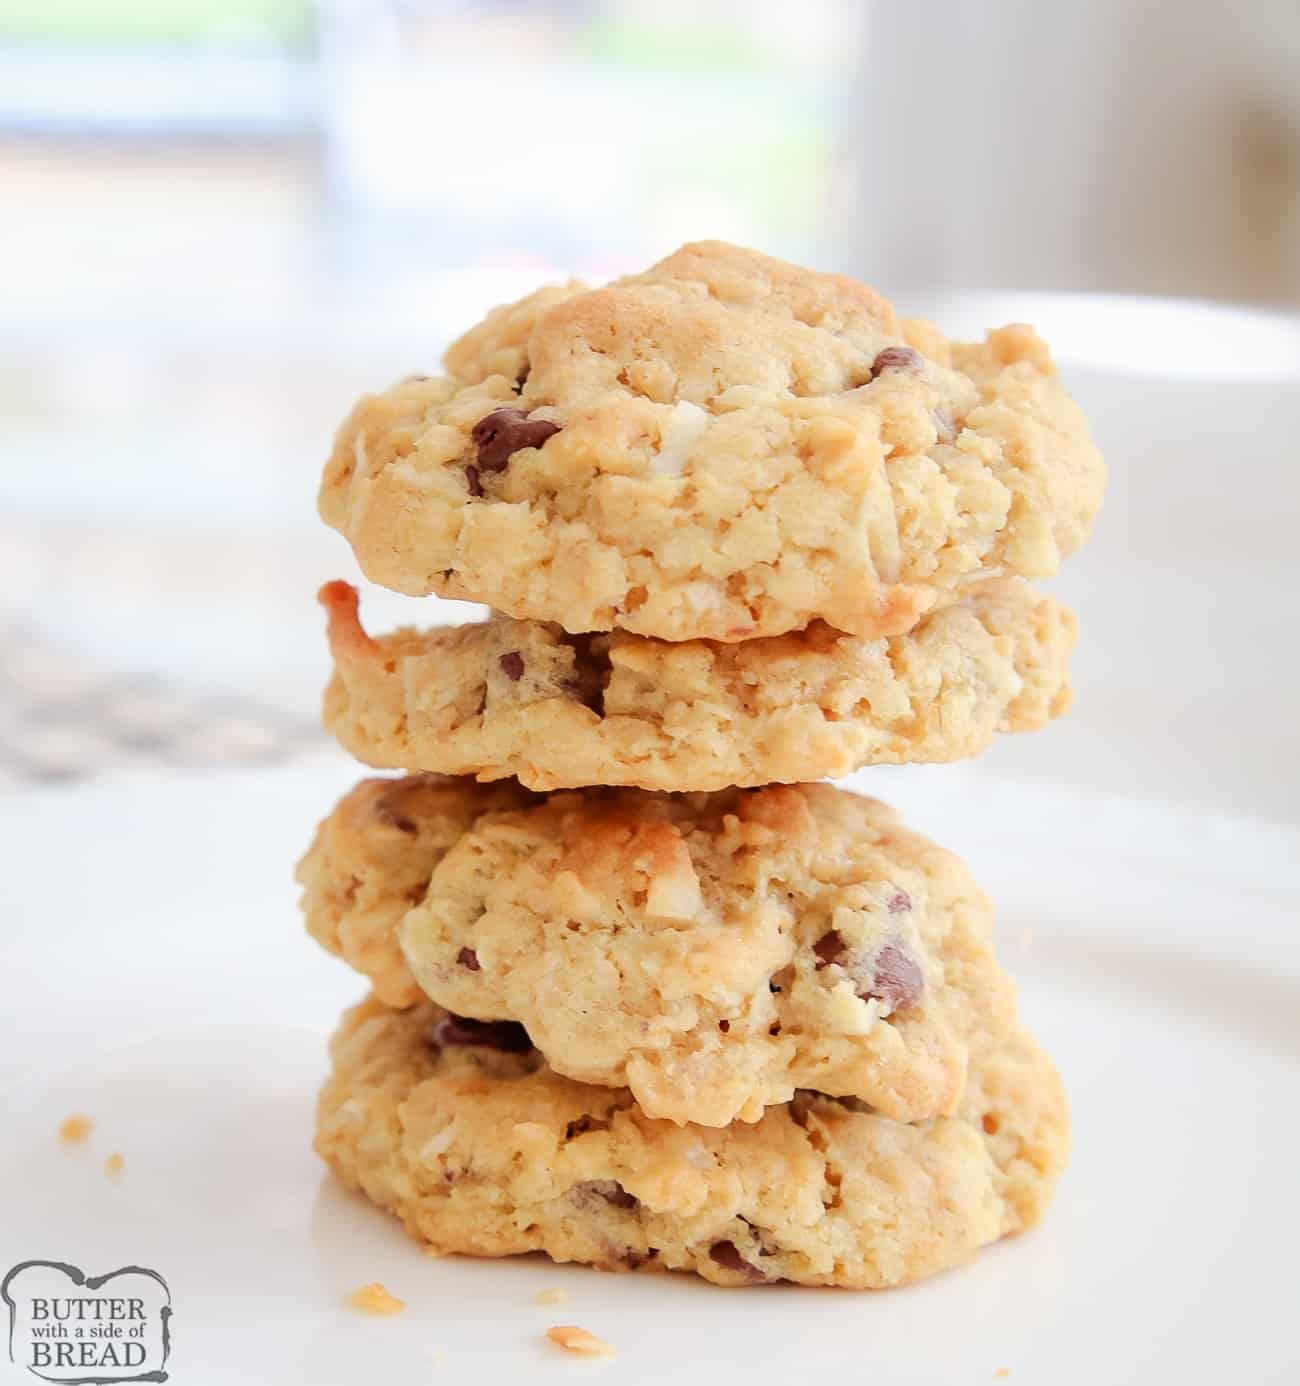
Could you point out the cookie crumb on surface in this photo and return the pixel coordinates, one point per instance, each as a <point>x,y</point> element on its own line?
<point>75,1129</point>
<point>375,1299</point>
<point>574,1339</point>
<point>552,1296</point>
<point>1003,1371</point>
<point>115,1164</point>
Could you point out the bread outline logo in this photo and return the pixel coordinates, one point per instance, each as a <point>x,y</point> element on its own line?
<point>88,1330</point>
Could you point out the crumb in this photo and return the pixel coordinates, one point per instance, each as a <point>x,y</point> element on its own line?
<point>75,1129</point>
<point>551,1297</point>
<point>1004,1371</point>
<point>574,1339</point>
<point>114,1165</point>
<point>375,1299</point>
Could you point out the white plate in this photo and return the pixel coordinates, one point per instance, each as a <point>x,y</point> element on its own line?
<point>156,977</point>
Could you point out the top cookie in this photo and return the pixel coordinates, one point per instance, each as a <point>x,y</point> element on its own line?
<point>723,447</point>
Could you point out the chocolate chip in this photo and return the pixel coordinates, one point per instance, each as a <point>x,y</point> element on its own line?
<point>506,1035</point>
<point>603,1191</point>
<point>724,1026</point>
<point>388,811</point>
<point>591,673</point>
<point>472,481</point>
<point>898,978</point>
<point>502,433</point>
<point>467,957</point>
<point>512,665</point>
<point>896,358</point>
<point>726,1255</point>
<point>899,901</point>
<point>829,949</point>
<point>579,1126</point>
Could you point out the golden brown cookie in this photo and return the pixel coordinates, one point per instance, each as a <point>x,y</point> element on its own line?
<point>464,1133</point>
<point>723,447</point>
<point>505,698</point>
<point>711,952</point>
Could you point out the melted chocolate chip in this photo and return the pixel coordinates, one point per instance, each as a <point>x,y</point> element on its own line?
<point>512,665</point>
<point>467,957</point>
<point>502,433</point>
<point>601,1191</point>
<point>592,670</point>
<point>898,978</point>
<point>726,1255</point>
<point>472,481</point>
<point>899,901</point>
<point>388,810</point>
<point>896,358</point>
<point>829,949</point>
<point>581,1125</point>
<point>506,1035</point>
<point>724,1026</point>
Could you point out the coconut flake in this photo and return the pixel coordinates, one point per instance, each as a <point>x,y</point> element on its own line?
<point>679,431</point>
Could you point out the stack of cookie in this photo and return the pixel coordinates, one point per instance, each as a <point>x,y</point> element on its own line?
<point>644,997</point>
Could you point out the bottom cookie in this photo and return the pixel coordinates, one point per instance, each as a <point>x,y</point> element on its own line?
<point>460,1129</point>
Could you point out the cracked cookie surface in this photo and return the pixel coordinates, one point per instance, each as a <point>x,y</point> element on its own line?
<point>503,698</point>
<point>723,447</point>
<point>481,1149</point>
<point>711,952</point>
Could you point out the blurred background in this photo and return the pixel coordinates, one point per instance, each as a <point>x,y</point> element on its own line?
<point>224,219</point>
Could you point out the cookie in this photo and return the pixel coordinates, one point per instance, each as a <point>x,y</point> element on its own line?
<point>465,1134</point>
<point>521,698</point>
<point>710,952</point>
<point>724,447</point>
